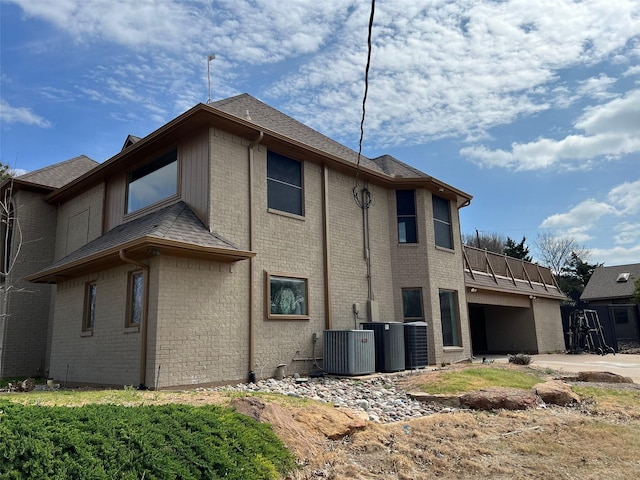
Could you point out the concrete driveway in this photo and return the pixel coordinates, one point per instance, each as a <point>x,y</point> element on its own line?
<point>621,364</point>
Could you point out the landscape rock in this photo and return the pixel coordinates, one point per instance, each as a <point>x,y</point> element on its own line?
<point>26,385</point>
<point>493,399</point>
<point>446,400</point>
<point>602,377</point>
<point>556,392</point>
<point>377,398</point>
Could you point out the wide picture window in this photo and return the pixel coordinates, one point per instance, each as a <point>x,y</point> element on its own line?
<point>153,182</point>
<point>287,297</point>
<point>284,184</point>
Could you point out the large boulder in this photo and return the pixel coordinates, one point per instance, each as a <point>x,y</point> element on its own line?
<point>496,398</point>
<point>602,377</point>
<point>556,392</point>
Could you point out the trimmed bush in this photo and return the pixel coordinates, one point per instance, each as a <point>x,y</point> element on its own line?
<point>150,442</point>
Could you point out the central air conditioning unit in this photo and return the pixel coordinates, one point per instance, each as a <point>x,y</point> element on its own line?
<point>389,345</point>
<point>349,352</point>
<point>415,345</point>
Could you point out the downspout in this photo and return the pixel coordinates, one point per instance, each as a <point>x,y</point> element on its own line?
<point>251,248</point>
<point>145,318</point>
<point>327,249</point>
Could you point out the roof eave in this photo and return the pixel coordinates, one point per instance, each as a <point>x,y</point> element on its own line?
<point>138,249</point>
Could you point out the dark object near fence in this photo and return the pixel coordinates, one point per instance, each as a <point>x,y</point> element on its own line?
<point>586,334</point>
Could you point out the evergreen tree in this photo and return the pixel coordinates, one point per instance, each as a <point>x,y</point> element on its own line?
<point>575,276</point>
<point>636,292</point>
<point>4,172</point>
<point>519,250</point>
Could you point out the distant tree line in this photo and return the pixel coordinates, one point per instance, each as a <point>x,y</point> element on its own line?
<point>566,259</point>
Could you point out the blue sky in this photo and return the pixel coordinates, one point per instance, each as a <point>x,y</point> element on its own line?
<point>531,107</point>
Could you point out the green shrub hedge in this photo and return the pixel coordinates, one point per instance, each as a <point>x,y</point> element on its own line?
<point>147,442</point>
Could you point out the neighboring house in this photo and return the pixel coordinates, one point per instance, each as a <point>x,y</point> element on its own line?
<point>27,233</point>
<point>610,291</point>
<point>227,240</point>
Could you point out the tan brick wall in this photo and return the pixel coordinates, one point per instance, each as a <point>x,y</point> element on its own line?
<point>425,266</point>
<point>348,264</point>
<point>229,200</point>
<point>291,245</point>
<point>199,333</point>
<point>79,221</point>
<point>23,329</point>
<point>548,324</point>
<point>110,356</point>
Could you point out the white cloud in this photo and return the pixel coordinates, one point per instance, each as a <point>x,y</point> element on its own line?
<point>590,218</point>
<point>617,255</point>
<point>627,233</point>
<point>611,130</point>
<point>584,213</point>
<point>10,114</point>
<point>626,197</point>
<point>597,87</point>
<point>439,68</point>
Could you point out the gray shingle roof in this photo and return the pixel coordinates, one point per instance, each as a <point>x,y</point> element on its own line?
<point>176,224</point>
<point>250,108</point>
<point>392,166</point>
<point>603,285</point>
<point>59,174</point>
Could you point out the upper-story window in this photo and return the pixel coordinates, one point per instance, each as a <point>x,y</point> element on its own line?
<point>153,182</point>
<point>442,222</point>
<point>284,184</point>
<point>406,210</point>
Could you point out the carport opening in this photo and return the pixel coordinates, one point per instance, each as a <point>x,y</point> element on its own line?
<point>497,329</point>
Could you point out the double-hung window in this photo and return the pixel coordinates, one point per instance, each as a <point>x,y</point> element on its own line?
<point>442,222</point>
<point>284,184</point>
<point>135,299</point>
<point>449,316</point>
<point>412,305</point>
<point>406,210</point>
<point>155,181</point>
<point>88,319</point>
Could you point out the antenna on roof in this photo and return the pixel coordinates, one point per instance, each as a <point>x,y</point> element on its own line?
<point>210,57</point>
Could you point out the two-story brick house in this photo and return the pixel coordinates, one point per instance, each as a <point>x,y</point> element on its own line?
<point>226,242</point>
